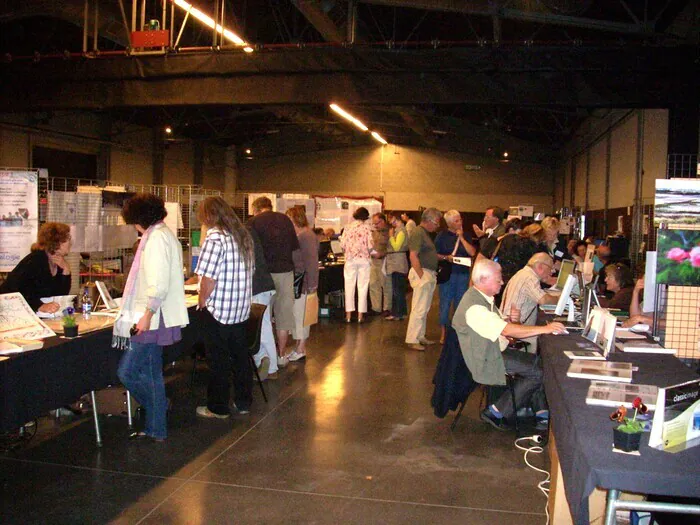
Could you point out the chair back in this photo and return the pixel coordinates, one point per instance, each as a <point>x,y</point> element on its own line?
<point>254,327</point>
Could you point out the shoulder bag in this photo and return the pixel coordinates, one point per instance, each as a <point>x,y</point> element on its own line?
<point>444,271</point>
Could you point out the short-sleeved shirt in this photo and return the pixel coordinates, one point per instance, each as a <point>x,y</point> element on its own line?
<point>487,322</point>
<point>278,239</point>
<point>421,243</point>
<point>445,244</point>
<point>357,240</point>
<point>524,291</point>
<point>221,260</point>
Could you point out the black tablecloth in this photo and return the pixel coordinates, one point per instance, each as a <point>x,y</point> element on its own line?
<point>34,382</point>
<point>584,433</point>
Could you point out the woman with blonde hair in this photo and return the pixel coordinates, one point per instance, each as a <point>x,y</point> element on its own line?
<point>225,267</point>
<point>305,260</point>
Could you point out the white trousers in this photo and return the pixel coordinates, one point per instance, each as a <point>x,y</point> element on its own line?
<point>268,347</point>
<point>356,272</point>
<point>300,331</point>
<point>423,289</point>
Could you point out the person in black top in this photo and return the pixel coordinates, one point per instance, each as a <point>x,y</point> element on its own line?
<point>44,272</point>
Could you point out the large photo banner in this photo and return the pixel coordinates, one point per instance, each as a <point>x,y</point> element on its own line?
<point>19,215</point>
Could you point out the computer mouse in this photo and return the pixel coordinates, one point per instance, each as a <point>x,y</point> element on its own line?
<point>640,327</point>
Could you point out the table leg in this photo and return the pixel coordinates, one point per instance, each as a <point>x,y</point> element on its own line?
<point>128,411</point>
<point>98,435</point>
<point>611,508</point>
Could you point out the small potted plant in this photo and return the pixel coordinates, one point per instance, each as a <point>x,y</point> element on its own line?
<point>70,324</point>
<point>628,434</point>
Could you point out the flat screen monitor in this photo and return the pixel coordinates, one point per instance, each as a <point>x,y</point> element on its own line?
<point>565,296</point>
<point>324,248</point>
<point>567,268</point>
<point>336,247</point>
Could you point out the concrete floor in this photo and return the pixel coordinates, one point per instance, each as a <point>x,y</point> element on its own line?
<point>349,436</point>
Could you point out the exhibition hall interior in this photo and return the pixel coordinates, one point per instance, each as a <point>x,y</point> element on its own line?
<point>360,261</point>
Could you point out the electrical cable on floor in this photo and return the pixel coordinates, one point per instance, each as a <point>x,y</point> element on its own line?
<point>543,485</point>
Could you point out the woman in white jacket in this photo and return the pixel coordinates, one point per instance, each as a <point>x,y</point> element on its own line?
<point>152,311</point>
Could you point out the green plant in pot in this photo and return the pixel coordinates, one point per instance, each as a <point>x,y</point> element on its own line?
<point>70,323</point>
<point>628,434</point>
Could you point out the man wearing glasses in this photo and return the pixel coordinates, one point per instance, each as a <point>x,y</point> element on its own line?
<point>422,277</point>
<point>523,293</point>
<point>492,229</point>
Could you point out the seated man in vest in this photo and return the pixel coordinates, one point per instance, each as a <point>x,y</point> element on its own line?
<point>483,337</point>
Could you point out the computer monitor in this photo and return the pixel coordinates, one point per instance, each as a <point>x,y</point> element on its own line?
<point>336,247</point>
<point>567,268</point>
<point>565,298</point>
<point>324,248</point>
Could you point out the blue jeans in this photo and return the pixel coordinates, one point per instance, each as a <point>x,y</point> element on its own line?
<point>451,294</point>
<point>141,372</point>
<point>399,308</point>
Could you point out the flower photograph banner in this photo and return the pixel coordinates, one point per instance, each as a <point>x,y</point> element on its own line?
<point>19,217</point>
<point>678,257</point>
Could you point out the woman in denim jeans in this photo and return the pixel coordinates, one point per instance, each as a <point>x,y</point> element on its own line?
<point>152,311</point>
<point>397,266</point>
<point>451,292</point>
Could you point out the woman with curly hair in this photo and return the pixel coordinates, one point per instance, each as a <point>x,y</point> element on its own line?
<point>152,311</point>
<point>44,272</point>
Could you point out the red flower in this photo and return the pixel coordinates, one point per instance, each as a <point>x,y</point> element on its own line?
<point>619,414</point>
<point>637,403</point>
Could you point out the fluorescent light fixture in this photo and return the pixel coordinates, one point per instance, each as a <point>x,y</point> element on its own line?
<point>228,35</point>
<point>378,137</point>
<point>340,111</point>
<point>248,49</point>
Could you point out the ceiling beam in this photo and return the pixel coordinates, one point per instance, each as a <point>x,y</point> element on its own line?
<point>312,11</point>
<point>490,9</point>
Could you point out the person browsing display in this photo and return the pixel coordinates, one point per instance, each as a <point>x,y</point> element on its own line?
<point>152,311</point>
<point>44,272</point>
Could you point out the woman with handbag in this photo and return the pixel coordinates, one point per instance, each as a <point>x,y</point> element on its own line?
<point>397,266</point>
<point>356,242</point>
<point>453,279</point>
<point>305,264</point>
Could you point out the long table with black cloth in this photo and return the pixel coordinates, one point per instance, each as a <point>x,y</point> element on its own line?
<point>36,381</point>
<point>583,433</point>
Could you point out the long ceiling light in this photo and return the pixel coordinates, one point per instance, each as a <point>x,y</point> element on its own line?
<point>347,116</point>
<point>378,137</point>
<point>340,111</point>
<point>199,15</point>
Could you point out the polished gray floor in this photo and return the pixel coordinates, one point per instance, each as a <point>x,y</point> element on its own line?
<point>347,437</point>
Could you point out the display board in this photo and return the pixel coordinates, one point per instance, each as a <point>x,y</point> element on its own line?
<point>19,215</point>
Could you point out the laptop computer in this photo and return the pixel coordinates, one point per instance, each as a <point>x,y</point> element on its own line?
<point>567,268</point>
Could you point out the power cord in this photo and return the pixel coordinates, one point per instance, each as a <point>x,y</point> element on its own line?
<point>543,485</point>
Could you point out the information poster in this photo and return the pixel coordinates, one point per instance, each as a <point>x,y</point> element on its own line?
<point>17,319</point>
<point>19,217</point>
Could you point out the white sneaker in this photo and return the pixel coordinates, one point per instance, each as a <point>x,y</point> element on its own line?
<point>295,356</point>
<point>282,361</point>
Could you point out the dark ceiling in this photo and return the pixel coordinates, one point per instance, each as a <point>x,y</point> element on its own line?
<point>478,76</point>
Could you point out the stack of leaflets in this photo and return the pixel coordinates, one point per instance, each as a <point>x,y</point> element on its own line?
<point>584,354</point>
<point>604,393</point>
<point>644,347</point>
<point>601,370</point>
<point>15,345</point>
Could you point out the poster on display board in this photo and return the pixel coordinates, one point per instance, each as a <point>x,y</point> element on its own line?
<point>336,212</point>
<point>677,203</point>
<point>19,215</point>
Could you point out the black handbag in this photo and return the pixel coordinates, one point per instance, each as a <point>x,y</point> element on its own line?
<point>444,270</point>
<point>298,284</point>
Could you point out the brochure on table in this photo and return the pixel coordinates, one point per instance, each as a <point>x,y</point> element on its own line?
<point>676,423</point>
<point>604,393</point>
<point>18,320</point>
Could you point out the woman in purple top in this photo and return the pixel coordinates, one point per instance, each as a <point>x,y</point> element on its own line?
<point>305,260</point>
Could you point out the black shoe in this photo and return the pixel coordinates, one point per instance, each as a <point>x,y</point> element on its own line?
<point>495,422</point>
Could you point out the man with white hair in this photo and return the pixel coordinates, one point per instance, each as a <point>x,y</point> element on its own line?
<point>422,277</point>
<point>483,334</point>
<point>524,294</point>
